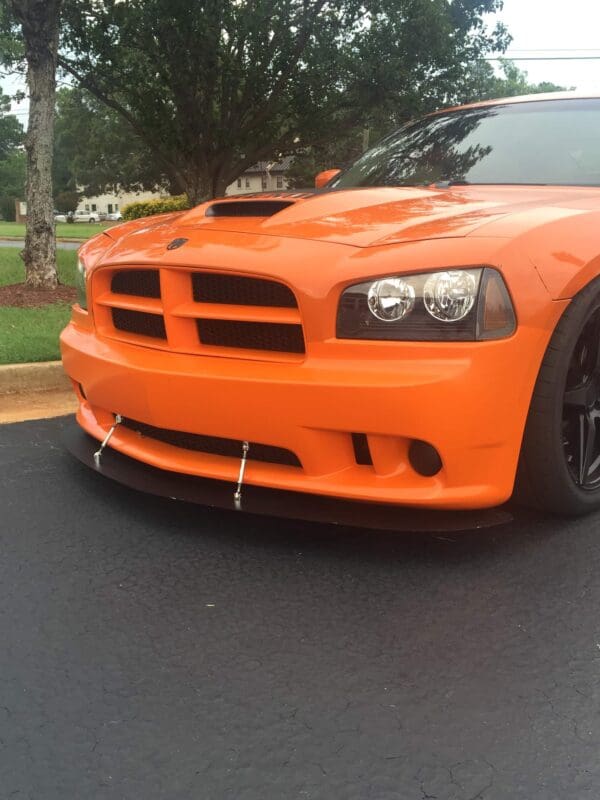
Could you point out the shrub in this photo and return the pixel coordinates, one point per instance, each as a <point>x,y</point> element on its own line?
<point>147,208</point>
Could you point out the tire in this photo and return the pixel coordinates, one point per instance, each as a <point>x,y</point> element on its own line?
<point>559,465</point>
<point>92,220</point>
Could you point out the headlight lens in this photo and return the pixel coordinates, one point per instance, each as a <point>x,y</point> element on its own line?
<point>449,296</point>
<point>455,305</point>
<point>80,283</point>
<point>391,299</point>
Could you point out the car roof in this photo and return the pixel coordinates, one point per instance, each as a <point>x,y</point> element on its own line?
<point>525,98</point>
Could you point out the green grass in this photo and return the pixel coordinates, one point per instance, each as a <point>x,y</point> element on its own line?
<point>31,334</point>
<point>77,230</point>
<point>13,271</point>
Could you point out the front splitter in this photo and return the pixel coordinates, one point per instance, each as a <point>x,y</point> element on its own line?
<point>272,502</point>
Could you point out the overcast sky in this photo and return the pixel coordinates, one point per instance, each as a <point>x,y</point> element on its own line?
<point>569,28</point>
<point>540,28</point>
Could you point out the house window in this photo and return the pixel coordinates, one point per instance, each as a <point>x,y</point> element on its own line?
<point>110,211</point>
<point>264,181</point>
<point>239,183</point>
<point>279,182</point>
<point>87,207</point>
<point>93,206</point>
<point>247,183</point>
<point>116,206</point>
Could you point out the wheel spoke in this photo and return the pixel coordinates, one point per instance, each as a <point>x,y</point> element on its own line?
<point>587,441</point>
<point>577,396</point>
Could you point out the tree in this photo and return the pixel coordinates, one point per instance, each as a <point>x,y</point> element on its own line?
<point>38,22</point>
<point>66,201</point>
<point>483,83</point>
<point>212,86</point>
<point>95,151</point>
<point>479,82</point>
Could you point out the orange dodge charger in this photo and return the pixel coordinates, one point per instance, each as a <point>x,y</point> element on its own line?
<point>422,330</point>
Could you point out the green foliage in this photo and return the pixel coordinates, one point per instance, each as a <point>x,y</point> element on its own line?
<point>480,82</point>
<point>483,83</point>
<point>211,88</point>
<point>95,151</point>
<point>12,160</point>
<point>147,208</point>
<point>66,201</point>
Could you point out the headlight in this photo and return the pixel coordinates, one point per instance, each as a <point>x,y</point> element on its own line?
<point>80,284</point>
<point>457,304</point>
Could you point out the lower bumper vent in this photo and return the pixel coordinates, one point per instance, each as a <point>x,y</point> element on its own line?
<point>215,445</point>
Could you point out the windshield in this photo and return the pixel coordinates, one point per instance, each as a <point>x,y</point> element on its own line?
<point>541,142</point>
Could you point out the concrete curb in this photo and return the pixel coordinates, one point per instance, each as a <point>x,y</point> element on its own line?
<point>25,378</point>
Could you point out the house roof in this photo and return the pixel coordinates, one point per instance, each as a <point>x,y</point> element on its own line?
<point>272,166</point>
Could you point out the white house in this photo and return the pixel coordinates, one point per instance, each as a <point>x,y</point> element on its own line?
<point>265,176</point>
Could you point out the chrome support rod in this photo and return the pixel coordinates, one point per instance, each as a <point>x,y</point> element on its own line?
<point>98,453</point>
<point>237,497</point>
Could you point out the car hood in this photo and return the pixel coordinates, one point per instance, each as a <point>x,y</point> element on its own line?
<point>378,216</point>
<point>367,217</point>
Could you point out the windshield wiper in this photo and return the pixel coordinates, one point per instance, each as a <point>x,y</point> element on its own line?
<point>449,184</point>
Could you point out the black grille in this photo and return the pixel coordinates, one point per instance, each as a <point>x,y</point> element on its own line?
<point>240,291</point>
<point>139,322</point>
<point>248,208</point>
<point>215,445</point>
<point>139,282</point>
<point>251,335</point>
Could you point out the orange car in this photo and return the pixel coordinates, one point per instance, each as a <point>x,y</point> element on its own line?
<point>422,331</point>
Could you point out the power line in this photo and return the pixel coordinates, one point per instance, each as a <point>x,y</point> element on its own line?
<point>543,58</point>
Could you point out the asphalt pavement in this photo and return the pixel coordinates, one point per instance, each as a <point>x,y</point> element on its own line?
<point>60,245</point>
<point>155,650</point>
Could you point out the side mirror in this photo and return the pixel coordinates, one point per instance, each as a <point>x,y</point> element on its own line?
<point>324,177</point>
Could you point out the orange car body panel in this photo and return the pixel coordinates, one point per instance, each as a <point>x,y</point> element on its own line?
<point>468,399</point>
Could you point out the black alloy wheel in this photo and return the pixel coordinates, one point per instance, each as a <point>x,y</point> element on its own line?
<point>581,409</point>
<point>559,466</point>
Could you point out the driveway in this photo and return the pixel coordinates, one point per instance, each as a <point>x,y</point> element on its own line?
<point>152,650</point>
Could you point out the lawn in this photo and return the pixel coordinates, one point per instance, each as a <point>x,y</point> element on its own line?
<point>77,230</point>
<point>31,334</point>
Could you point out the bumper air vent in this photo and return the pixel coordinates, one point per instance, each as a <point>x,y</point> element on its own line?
<point>214,445</point>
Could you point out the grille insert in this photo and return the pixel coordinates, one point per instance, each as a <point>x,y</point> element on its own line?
<point>272,336</point>
<point>139,322</point>
<point>137,282</point>
<point>241,291</point>
<point>215,445</point>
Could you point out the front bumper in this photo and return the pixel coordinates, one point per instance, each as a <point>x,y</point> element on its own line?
<point>272,502</point>
<point>469,400</point>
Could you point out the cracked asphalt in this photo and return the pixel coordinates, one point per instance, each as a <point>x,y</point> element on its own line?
<point>150,649</point>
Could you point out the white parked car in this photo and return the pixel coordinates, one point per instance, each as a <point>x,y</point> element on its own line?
<point>116,216</point>
<point>78,216</point>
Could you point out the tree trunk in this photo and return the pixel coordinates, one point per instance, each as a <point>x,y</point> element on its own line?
<point>39,21</point>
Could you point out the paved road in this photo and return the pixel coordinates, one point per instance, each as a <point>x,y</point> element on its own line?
<point>60,245</point>
<point>150,650</point>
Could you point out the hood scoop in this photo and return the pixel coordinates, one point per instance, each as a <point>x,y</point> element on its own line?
<point>248,208</point>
